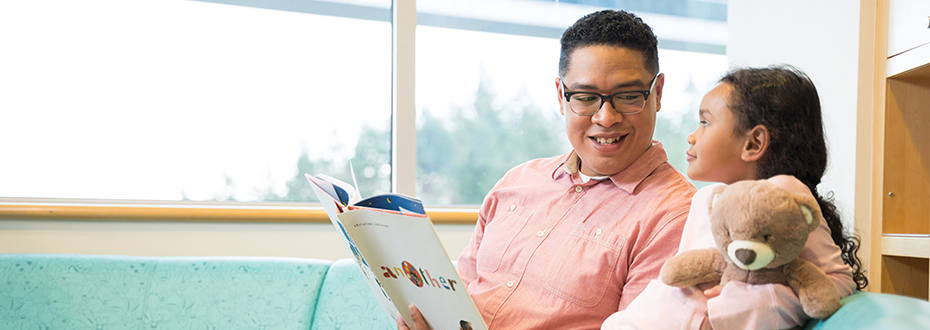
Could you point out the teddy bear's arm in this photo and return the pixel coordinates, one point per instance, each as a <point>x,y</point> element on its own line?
<point>819,296</point>
<point>692,268</point>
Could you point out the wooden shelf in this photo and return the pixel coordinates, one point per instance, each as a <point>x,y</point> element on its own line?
<point>905,276</point>
<point>914,246</point>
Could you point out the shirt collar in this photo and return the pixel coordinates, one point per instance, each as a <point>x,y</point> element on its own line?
<point>628,179</point>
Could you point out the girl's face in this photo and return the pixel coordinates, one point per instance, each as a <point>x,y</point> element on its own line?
<point>716,153</point>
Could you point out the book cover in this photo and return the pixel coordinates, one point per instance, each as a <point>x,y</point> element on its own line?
<point>396,247</point>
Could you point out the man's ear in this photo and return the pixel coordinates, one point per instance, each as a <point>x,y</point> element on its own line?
<point>559,94</point>
<point>757,143</point>
<point>658,91</point>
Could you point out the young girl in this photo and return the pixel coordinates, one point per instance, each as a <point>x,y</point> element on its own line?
<point>757,123</point>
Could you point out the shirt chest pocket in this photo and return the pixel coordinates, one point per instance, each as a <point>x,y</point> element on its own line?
<point>585,266</point>
<point>499,237</point>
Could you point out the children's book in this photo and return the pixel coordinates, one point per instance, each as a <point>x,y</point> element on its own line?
<point>399,254</point>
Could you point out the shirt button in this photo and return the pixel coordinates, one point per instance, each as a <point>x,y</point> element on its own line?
<point>597,232</point>
<point>578,189</point>
<point>540,233</point>
<point>513,207</point>
<point>509,284</point>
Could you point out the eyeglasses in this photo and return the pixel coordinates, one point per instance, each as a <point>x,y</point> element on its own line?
<point>626,102</point>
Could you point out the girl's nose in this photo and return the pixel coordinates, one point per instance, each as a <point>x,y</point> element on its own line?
<point>691,139</point>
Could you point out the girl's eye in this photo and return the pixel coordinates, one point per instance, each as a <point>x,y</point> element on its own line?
<point>703,123</point>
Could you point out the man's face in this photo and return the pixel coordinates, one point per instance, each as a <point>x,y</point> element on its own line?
<point>609,142</point>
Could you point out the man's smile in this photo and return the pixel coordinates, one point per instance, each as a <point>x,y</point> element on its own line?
<point>607,140</point>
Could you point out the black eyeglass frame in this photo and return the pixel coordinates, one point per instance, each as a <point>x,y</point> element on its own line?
<point>610,98</point>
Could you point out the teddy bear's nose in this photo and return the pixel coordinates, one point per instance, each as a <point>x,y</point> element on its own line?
<point>746,256</point>
<point>750,255</point>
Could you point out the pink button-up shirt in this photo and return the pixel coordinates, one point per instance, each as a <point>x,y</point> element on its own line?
<point>550,251</point>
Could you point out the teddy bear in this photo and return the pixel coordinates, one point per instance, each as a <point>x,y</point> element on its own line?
<point>760,229</point>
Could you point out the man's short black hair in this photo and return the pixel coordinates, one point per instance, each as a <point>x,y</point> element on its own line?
<point>612,28</point>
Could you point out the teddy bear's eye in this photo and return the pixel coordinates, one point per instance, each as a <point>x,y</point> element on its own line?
<point>766,237</point>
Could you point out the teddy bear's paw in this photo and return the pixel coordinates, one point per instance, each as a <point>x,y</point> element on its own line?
<point>820,309</point>
<point>691,268</point>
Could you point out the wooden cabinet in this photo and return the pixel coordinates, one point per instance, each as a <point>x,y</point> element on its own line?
<point>898,220</point>
<point>905,200</point>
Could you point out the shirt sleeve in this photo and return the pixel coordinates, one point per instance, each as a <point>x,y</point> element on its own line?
<point>681,308</point>
<point>820,248</point>
<point>648,260</point>
<point>467,261</point>
<point>697,233</point>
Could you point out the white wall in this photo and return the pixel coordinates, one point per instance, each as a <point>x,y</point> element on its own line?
<point>192,239</point>
<point>822,39</point>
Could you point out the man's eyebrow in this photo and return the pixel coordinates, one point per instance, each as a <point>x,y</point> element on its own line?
<point>632,83</point>
<point>626,84</point>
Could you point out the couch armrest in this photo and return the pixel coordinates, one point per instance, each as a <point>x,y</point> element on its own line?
<point>869,310</point>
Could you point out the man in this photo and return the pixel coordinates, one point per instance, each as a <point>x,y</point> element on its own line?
<point>564,242</point>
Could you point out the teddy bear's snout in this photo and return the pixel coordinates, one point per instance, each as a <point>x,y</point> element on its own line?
<point>750,255</point>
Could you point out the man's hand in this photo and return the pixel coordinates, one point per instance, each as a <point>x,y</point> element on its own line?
<point>419,323</point>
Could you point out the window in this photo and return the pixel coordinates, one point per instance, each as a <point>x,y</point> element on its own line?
<point>233,100</point>
<point>189,100</point>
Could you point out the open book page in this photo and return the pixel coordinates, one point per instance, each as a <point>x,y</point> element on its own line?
<point>343,192</point>
<point>403,260</point>
<point>333,210</point>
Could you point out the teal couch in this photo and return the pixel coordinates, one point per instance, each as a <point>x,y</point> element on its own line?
<point>867,310</point>
<point>93,292</point>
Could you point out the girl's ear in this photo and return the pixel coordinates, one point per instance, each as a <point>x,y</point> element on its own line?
<point>757,143</point>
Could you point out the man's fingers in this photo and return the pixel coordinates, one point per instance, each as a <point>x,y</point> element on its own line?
<point>401,325</point>
<point>419,323</point>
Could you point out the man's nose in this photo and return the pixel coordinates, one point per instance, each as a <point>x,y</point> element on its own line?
<point>607,116</point>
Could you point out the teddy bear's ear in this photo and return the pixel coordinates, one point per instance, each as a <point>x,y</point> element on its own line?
<point>808,216</point>
<point>713,197</point>
<point>809,208</point>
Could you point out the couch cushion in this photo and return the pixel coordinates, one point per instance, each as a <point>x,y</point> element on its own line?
<point>869,310</point>
<point>57,291</point>
<point>346,301</point>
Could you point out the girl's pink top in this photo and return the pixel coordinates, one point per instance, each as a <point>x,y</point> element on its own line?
<point>739,305</point>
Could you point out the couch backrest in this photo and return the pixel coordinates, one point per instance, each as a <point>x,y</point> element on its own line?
<point>60,291</point>
<point>346,301</point>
